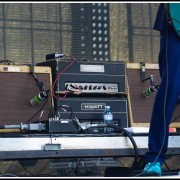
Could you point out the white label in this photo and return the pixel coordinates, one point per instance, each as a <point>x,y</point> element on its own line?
<point>16,69</point>
<point>108,117</point>
<point>155,66</point>
<point>91,68</point>
<point>92,106</point>
<point>64,121</point>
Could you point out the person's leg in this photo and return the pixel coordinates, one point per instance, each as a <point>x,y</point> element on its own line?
<point>165,102</point>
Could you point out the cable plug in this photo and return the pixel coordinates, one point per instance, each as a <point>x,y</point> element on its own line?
<point>55,55</point>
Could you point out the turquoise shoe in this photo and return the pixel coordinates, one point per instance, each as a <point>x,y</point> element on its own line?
<point>153,168</point>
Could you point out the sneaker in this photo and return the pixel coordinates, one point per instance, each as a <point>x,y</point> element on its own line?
<point>153,168</point>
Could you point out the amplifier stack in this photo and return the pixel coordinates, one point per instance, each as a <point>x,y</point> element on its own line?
<point>88,86</point>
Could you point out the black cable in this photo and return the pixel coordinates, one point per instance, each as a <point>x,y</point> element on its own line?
<point>166,166</point>
<point>175,119</point>
<point>22,165</point>
<point>134,164</point>
<point>38,110</point>
<point>67,108</point>
<point>9,62</point>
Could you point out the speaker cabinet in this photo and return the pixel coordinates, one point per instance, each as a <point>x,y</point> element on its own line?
<point>140,108</point>
<point>18,87</point>
<point>90,109</point>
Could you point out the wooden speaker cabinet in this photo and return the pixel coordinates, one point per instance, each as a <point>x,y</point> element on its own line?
<point>140,108</point>
<point>17,88</point>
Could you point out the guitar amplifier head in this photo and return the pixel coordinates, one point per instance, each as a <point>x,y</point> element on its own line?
<point>140,107</point>
<point>18,87</point>
<point>87,77</point>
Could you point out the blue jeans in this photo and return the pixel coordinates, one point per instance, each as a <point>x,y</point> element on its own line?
<point>166,97</point>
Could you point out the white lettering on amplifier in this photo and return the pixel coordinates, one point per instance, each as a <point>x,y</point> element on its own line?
<point>64,121</point>
<point>91,68</point>
<point>92,106</point>
<point>14,69</point>
<point>155,66</point>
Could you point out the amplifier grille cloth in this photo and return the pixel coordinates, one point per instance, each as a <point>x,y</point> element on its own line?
<point>141,108</point>
<point>16,91</point>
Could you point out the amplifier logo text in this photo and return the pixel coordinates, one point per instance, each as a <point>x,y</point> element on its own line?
<point>92,68</point>
<point>92,106</point>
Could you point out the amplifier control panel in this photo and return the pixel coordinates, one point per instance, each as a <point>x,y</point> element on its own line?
<point>92,87</point>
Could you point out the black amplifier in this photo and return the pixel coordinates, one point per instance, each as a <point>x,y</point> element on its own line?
<point>90,109</point>
<point>87,77</point>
